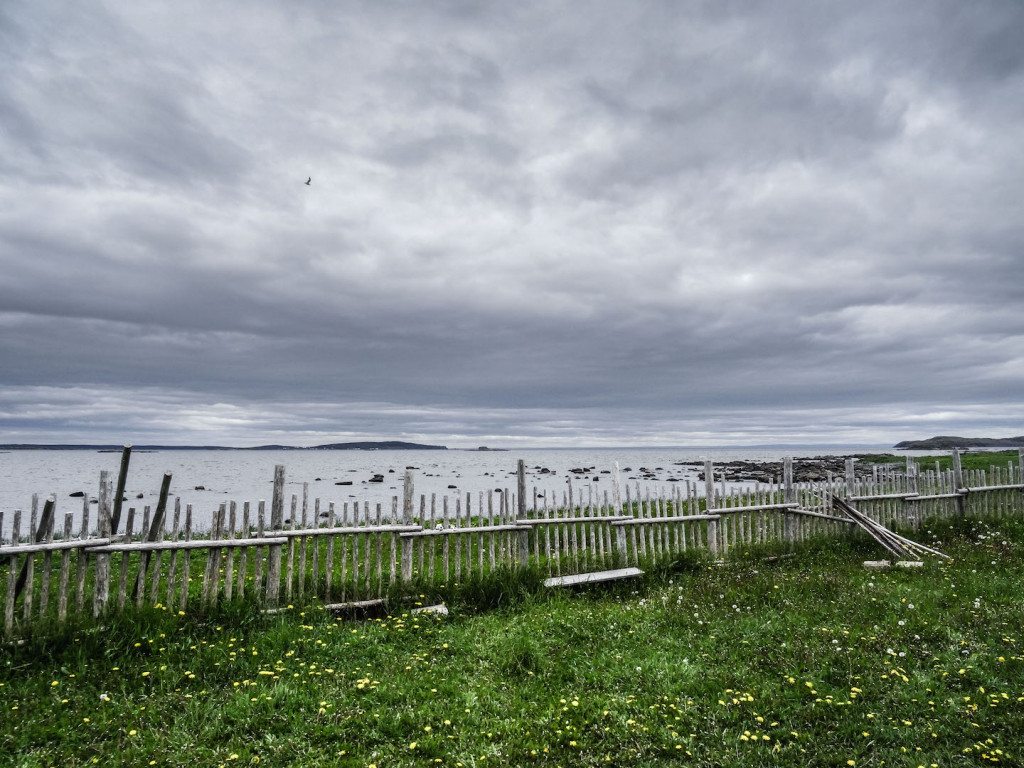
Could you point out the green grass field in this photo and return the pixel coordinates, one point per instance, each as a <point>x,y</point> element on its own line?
<point>968,460</point>
<point>809,660</point>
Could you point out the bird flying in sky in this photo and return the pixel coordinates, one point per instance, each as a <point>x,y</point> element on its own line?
<point>309,180</point>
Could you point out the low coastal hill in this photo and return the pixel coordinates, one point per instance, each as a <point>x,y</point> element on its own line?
<point>948,442</point>
<point>373,445</point>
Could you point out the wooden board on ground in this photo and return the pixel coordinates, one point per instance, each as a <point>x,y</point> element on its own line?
<point>592,578</point>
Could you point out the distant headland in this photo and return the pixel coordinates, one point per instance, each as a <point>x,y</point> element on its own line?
<point>948,442</point>
<point>377,445</point>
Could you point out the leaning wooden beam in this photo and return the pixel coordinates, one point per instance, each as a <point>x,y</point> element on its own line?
<point>155,546</point>
<point>537,521</point>
<point>809,513</point>
<point>662,520</point>
<point>983,488</point>
<point>872,531</point>
<point>882,496</point>
<point>383,528</point>
<point>40,536</point>
<point>155,528</point>
<point>122,478</point>
<point>449,531</point>
<point>56,546</point>
<point>752,508</point>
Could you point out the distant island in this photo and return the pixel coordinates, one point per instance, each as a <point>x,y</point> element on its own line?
<point>948,442</point>
<point>380,445</point>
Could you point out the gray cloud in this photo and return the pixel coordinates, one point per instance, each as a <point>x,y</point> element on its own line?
<point>571,223</point>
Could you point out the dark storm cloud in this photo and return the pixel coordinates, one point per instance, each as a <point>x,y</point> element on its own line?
<point>550,223</point>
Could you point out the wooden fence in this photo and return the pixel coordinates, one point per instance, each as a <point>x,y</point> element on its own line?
<point>360,554</point>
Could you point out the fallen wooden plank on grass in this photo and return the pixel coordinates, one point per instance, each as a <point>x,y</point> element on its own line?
<point>592,578</point>
<point>909,564</point>
<point>878,565</point>
<point>354,605</point>
<point>441,609</point>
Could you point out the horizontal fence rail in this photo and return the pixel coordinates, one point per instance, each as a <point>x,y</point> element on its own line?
<point>357,554</point>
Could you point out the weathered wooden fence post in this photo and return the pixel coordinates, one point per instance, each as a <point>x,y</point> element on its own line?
<point>276,524</point>
<point>789,497</point>
<point>122,478</point>
<point>524,533</point>
<point>408,491</point>
<point>621,547</point>
<point>911,475</point>
<point>101,573</point>
<point>156,526</point>
<point>958,483</point>
<point>407,494</point>
<point>851,478</point>
<point>709,504</point>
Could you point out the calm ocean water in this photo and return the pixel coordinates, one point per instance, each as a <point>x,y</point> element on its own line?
<point>248,475</point>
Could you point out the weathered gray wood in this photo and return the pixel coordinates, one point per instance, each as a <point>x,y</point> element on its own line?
<point>12,577</point>
<point>152,534</point>
<point>186,561</point>
<point>172,565</point>
<point>406,559</point>
<point>243,556</point>
<point>788,489</point>
<point>122,479</point>
<point>446,544</point>
<point>407,496</point>
<point>379,552</point>
<point>211,579</point>
<point>987,488</point>
<point>257,569</point>
<point>821,516</point>
<point>721,511</point>
<point>229,554</point>
<point>208,544</point>
<point>630,521</point>
<point>101,571</point>
<point>354,605</point>
<point>593,577</point>
<point>536,522</point>
<point>709,484</point>
<point>476,529</point>
<point>82,561</point>
<point>65,568</point>
<point>303,542</point>
<point>958,482</point>
<point>44,586</point>
<point>38,534</point>
<point>881,496</point>
<point>122,576</point>
<point>329,556</point>
<point>289,568</point>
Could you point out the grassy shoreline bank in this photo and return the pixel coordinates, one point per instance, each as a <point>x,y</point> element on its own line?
<point>808,660</point>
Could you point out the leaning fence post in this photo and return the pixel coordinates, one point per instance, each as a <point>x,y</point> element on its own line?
<point>276,523</point>
<point>122,478</point>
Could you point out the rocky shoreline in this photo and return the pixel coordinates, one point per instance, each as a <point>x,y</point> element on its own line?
<point>805,469</point>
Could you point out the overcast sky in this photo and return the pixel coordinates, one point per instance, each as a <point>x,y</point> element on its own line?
<point>576,223</point>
